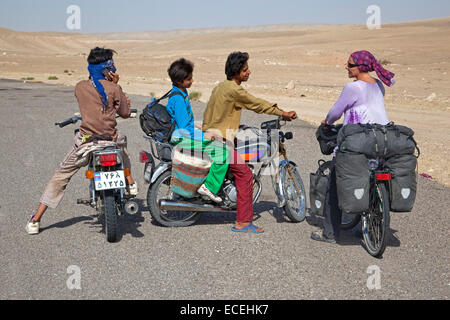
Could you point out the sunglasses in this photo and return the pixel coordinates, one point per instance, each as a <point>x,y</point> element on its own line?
<point>352,65</point>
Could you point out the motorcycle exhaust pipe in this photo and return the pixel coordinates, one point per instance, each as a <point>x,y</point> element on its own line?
<point>169,205</point>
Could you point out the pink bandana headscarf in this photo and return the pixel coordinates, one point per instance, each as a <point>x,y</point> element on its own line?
<point>367,63</point>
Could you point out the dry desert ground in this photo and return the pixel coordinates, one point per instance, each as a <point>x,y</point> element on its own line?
<point>301,67</point>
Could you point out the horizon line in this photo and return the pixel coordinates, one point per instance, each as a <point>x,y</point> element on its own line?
<point>314,24</point>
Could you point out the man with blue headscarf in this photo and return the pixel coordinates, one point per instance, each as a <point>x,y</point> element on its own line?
<point>99,98</point>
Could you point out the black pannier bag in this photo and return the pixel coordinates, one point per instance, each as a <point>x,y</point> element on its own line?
<point>397,146</point>
<point>400,140</point>
<point>404,182</point>
<point>367,139</point>
<point>318,183</point>
<point>327,136</point>
<point>155,121</point>
<point>377,141</point>
<point>353,182</point>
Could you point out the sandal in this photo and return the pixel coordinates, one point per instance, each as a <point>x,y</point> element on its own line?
<point>251,228</point>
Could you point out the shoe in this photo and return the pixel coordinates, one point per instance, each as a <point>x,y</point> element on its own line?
<point>32,227</point>
<point>319,236</point>
<point>251,228</point>
<point>133,189</point>
<point>204,191</point>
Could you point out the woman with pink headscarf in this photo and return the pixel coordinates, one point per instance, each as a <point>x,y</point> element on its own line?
<point>361,101</point>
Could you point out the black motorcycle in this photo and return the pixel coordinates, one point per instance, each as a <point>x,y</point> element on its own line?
<point>107,184</point>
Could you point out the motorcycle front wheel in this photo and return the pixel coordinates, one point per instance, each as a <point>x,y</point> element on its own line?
<point>294,193</point>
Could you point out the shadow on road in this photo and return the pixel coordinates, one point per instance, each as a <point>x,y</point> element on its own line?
<point>128,223</point>
<point>230,217</point>
<point>217,218</point>
<point>354,236</point>
<point>68,223</point>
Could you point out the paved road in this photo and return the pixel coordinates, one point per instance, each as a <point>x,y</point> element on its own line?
<point>205,261</point>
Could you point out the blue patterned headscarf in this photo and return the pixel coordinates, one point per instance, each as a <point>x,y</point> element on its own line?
<point>96,74</point>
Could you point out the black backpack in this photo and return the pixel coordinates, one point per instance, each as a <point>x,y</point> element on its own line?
<point>327,137</point>
<point>155,121</point>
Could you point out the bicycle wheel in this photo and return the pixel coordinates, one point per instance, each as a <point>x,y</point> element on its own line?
<point>295,207</point>
<point>375,224</point>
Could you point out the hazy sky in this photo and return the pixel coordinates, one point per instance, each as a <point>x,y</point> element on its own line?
<point>140,15</point>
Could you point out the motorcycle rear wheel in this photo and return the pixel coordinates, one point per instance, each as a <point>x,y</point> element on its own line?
<point>110,215</point>
<point>161,190</point>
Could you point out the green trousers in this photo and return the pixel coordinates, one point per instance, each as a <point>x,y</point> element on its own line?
<point>215,151</point>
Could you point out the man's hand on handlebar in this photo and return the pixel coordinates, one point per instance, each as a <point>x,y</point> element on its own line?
<point>288,116</point>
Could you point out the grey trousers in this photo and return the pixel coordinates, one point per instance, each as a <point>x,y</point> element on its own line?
<point>56,187</point>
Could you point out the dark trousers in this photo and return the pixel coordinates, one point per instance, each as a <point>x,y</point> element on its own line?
<point>332,213</point>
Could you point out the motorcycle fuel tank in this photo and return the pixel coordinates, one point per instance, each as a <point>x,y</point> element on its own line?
<point>253,150</point>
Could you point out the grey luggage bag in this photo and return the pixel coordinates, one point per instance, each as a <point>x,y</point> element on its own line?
<point>377,141</point>
<point>404,182</point>
<point>318,184</point>
<point>353,182</point>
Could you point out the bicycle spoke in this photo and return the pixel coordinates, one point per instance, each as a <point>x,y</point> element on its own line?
<point>375,226</point>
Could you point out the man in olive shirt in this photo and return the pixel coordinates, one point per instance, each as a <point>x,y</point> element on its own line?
<point>221,120</point>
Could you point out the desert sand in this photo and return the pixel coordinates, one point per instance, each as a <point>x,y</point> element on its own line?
<point>301,67</point>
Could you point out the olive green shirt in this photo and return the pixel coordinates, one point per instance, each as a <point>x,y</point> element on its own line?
<point>222,116</point>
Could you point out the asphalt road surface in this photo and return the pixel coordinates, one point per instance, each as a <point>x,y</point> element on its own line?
<point>70,258</point>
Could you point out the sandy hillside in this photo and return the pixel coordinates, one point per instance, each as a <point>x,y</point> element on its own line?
<point>299,66</point>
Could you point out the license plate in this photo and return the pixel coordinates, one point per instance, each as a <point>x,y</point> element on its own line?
<point>109,180</point>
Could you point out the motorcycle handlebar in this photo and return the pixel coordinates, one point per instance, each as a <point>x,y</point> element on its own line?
<point>76,119</point>
<point>67,122</point>
<point>274,124</point>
